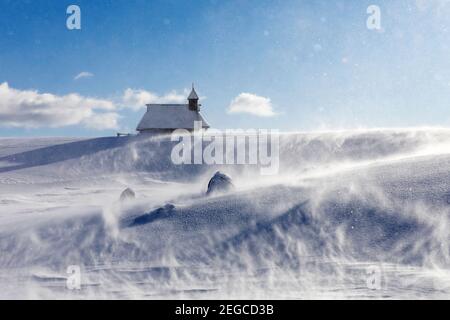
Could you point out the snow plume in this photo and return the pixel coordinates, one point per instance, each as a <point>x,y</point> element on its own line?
<point>345,208</point>
<point>252,104</point>
<point>32,109</point>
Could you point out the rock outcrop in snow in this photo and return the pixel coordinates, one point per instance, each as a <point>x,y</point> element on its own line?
<point>160,213</point>
<point>127,194</point>
<point>219,183</point>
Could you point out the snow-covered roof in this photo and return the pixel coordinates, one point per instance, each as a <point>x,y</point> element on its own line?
<point>170,116</point>
<point>193,94</point>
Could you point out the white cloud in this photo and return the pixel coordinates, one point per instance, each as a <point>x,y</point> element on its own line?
<point>84,74</point>
<point>137,99</point>
<point>252,104</point>
<point>31,109</point>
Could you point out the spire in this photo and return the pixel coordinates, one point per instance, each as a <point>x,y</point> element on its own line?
<point>193,100</point>
<point>193,95</point>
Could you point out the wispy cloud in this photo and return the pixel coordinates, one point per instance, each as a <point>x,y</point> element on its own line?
<point>251,104</point>
<point>137,98</point>
<point>31,109</point>
<point>84,74</point>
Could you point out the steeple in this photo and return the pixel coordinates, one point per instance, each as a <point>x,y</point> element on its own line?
<point>193,100</point>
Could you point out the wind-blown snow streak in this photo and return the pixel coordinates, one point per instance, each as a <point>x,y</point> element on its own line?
<point>342,203</point>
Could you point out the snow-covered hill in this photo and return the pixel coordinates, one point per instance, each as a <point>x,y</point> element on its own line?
<point>344,205</point>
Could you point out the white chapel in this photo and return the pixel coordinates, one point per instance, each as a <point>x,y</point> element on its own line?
<point>164,118</point>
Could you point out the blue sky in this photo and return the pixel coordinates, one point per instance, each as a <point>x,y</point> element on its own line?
<point>316,61</point>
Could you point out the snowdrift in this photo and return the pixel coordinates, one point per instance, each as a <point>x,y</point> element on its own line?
<point>342,203</point>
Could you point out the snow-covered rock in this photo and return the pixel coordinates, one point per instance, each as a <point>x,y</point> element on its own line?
<point>220,182</point>
<point>160,213</point>
<point>127,194</point>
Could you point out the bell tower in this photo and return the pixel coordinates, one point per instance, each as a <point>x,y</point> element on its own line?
<point>193,100</point>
